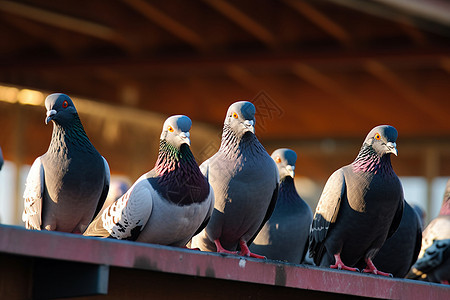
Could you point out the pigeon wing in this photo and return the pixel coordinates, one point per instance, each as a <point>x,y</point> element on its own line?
<point>326,213</point>
<point>269,212</point>
<point>33,196</point>
<point>211,208</point>
<point>126,217</point>
<point>397,219</point>
<point>104,194</point>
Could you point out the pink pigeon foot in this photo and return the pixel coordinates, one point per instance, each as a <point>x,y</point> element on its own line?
<point>372,269</point>
<point>246,252</point>
<point>339,264</point>
<point>221,249</point>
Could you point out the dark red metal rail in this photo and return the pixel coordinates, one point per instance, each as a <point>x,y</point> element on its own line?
<point>37,256</point>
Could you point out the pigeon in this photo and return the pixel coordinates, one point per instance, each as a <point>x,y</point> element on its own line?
<point>245,182</point>
<point>361,205</point>
<point>1,158</point>
<point>166,205</point>
<point>67,185</point>
<point>117,187</point>
<point>285,235</point>
<point>434,258</point>
<point>421,213</point>
<point>400,251</point>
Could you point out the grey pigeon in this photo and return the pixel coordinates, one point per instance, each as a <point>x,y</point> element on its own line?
<point>434,258</point>
<point>245,182</point>
<point>421,213</point>
<point>166,205</point>
<point>1,158</point>
<point>285,235</point>
<point>67,185</point>
<point>117,187</point>
<point>400,251</point>
<point>361,205</point>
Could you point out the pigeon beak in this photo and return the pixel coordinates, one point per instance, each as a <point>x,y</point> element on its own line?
<point>250,125</point>
<point>392,148</point>
<point>290,170</point>
<point>184,136</point>
<point>50,114</point>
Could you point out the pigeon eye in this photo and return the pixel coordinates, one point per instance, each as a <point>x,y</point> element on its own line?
<point>278,160</point>
<point>377,136</point>
<point>170,129</point>
<point>65,104</point>
<point>235,115</point>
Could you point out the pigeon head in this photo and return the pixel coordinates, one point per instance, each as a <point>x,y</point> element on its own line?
<point>241,118</point>
<point>285,160</point>
<point>445,208</point>
<point>60,109</point>
<point>176,130</point>
<point>383,139</point>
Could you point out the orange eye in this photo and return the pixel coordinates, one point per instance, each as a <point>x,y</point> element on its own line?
<point>278,160</point>
<point>65,104</point>
<point>170,128</point>
<point>235,115</point>
<point>377,136</point>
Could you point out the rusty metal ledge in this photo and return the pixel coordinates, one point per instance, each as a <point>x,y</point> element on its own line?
<point>75,248</point>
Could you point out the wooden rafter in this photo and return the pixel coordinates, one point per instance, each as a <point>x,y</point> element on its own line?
<point>322,21</point>
<point>60,20</point>
<point>256,85</point>
<point>163,20</point>
<point>414,97</point>
<point>244,21</point>
<point>330,86</point>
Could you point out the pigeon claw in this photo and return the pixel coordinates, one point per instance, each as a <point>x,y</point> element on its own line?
<point>221,249</point>
<point>246,252</point>
<point>376,272</point>
<point>372,269</point>
<point>340,264</point>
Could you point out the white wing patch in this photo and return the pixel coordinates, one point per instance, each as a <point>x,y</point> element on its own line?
<point>33,194</point>
<point>130,212</point>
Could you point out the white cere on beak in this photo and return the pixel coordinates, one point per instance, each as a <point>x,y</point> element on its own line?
<point>185,136</point>
<point>290,170</point>
<point>50,113</point>
<point>250,125</point>
<point>392,148</point>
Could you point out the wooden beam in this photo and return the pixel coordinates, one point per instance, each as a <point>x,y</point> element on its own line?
<point>429,15</point>
<point>244,21</point>
<point>321,21</point>
<point>409,93</point>
<point>445,64</point>
<point>436,11</point>
<point>167,23</point>
<point>30,29</point>
<point>59,20</point>
<point>331,59</point>
<point>330,86</point>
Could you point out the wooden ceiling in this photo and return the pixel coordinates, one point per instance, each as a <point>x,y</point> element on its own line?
<point>316,70</point>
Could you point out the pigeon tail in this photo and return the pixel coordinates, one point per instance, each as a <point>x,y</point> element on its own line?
<point>372,269</point>
<point>339,264</point>
<point>369,161</point>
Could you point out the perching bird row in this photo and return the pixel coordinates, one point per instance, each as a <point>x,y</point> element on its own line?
<point>240,201</point>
